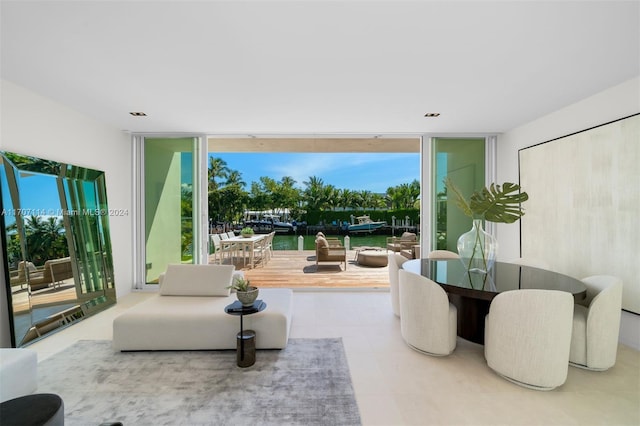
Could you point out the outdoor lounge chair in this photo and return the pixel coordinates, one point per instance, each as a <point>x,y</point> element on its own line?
<point>333,241</point>
<point>405,242</point>
<point>19,276</point>
<point>53,272</point>
<point>330,253</point>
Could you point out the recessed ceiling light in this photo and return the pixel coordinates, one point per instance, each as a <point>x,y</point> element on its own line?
<point>138,114</point>
<point>432,114</point>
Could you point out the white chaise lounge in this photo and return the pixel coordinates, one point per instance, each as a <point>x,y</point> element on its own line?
<point>188,314</point>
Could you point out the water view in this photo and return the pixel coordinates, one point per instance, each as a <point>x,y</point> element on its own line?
<point>290,242</point>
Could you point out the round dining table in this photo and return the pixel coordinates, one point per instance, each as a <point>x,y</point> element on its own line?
<point>471,292</point>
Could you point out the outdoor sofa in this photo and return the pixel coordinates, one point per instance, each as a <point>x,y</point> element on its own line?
<point>407,245</point>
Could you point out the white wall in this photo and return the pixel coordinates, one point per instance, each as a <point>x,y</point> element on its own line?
<point>33,125</point>
<point>612,104</point>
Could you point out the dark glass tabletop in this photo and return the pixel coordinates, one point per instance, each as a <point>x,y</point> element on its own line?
<point>236,308</point>
<point>452,275</point>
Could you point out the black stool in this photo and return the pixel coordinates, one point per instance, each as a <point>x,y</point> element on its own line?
<point>39,409</point>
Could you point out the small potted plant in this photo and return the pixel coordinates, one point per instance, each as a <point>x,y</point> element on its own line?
<point>245,292</point>
<point>246,232</point>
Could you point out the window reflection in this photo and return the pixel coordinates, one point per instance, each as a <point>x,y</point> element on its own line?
<point>58,250</point>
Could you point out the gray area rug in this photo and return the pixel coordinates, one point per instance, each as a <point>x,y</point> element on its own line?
<point>308,383</point>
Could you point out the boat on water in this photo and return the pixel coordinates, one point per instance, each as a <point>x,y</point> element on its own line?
<point>263,223</point>
<point>365,225</point>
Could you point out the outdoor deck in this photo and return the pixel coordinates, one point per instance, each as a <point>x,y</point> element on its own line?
<point>287,268</point>
<point>297,269</point>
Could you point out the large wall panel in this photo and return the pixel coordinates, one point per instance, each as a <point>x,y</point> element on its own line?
<point>584,204</point>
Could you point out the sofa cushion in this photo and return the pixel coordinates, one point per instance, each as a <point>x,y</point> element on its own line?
<point>322,242</point>
<point>408,236</point>
<point>197,280</point>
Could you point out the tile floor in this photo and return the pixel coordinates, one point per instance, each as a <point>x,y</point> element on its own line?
<point>396,385</point>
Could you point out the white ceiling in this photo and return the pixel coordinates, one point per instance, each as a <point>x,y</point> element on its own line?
<point>319,67</point>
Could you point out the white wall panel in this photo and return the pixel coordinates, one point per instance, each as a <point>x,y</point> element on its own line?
<point>582,216</point>
<point>619,101</point>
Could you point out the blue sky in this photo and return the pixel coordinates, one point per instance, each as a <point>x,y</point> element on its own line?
<point>373,172</point>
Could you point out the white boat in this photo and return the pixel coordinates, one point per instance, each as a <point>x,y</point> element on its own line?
<point>365,224</point>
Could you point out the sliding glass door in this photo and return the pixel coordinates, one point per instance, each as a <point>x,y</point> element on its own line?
<point>463,161</point>
<point>171,203</point>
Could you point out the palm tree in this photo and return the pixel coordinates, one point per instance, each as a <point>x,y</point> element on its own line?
<point>313,192</point>
<point>34,164</point>
<point>330,197</point>
<point>217,170</point>
<point>378,201</point>
<point>285,194</point>
<point>367,199</point>
<point>414,187</point>
<point>393,197</point>
<point>55,238</point>
<point>258,199</point>
<point>234,178</point>
<point>45,239</point>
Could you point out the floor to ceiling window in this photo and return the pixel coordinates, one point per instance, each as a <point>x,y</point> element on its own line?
<point>463,161</point>
<point>173,188</point>
<point>171,203</point>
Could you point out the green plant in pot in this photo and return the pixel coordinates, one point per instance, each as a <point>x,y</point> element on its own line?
<point>246,232</point>
<point>245,292</point>
<point>495,203</point>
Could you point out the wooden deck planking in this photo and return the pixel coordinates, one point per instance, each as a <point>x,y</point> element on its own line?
<point>287,268</point>
<point>295,269</point>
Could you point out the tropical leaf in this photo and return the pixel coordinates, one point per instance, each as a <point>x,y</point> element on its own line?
<point>499,204</point>
<point>495,204</point>
<point>460,200</point>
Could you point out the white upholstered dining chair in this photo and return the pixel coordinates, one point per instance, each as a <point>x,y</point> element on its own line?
<point>395,263</point>
<point>428,320</point>
<point>527,337</point>
<point>596,324</point>
<point>214,240</point>
<point>442,255</point>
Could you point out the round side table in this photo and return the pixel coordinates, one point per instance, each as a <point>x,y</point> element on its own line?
<point>245,339</point>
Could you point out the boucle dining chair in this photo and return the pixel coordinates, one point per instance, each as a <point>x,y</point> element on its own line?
<point>395,264</point>
<point>427,319</point>
<point>442,255</point>
<point>527,337</point>
<point>596,324</point>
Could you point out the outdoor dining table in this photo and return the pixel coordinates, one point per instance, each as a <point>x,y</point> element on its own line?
<point>244,244</point>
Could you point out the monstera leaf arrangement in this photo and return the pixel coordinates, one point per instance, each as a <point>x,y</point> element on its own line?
<point>495,203</point>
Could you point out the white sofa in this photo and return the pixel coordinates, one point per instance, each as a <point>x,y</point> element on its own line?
<point>188,314</point>
<point>18,372</point>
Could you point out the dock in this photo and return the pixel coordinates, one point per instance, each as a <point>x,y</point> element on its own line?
<point>298,270</point>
